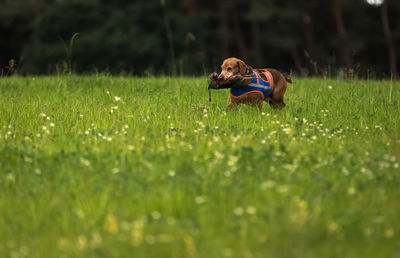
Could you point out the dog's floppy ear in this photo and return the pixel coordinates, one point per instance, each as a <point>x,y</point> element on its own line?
<point>242,67</point>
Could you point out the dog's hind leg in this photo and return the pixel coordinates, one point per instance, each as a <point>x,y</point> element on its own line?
<point>231,106</point>
<point>276,104</point>
<point>260,104</point>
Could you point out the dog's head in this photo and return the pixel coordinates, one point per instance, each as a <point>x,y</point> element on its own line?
<point>232,68</point>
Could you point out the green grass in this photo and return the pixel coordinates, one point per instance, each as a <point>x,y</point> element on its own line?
<point>168,174</point>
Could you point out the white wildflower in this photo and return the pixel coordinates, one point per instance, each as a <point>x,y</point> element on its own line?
<point>232,160</point>
<point>267,184</point>
<point>156,215</point>
<point>238,211</point>
<point>200,199</point>
<point>251,210</point>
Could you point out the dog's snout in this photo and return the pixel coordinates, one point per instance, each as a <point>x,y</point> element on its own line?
<point>221,77</point>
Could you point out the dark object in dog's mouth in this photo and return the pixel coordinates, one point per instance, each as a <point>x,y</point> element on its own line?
<point>215,83</point>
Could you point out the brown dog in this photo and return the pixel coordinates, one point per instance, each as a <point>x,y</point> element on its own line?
<point>254,85</point>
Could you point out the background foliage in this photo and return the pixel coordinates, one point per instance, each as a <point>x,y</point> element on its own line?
<point>192,37</point>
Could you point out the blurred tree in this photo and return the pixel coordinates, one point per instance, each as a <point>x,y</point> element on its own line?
<point>256,37</point>
<point>307,7</point>
<point>109,37</point>
<point>389,40</point>
<point>236,18</point>
<point>16,19</point>
<point>223,32</point>
<point>343,48</point>
<point>193,37</point>
<point>307,23</point>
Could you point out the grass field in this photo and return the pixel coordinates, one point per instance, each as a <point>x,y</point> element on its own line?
<point>104,166</point>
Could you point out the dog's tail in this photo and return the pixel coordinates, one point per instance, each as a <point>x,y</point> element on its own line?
<point>287,78</point>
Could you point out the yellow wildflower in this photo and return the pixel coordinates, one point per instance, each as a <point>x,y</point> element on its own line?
<point>81,242</point>
<point>333,227</point>
<point>62,243</point>
<point>111,224</point>
<point>389,233</point>
<point>137,236</point>
<point>96,240</point>
<point>190,247</point>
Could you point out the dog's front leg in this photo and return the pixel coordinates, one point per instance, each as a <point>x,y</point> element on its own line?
<point>231,106</point>
<point>260,104</point>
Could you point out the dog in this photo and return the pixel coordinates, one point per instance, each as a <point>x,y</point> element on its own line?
<point>251,86</point>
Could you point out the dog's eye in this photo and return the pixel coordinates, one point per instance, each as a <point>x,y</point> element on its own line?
<point>229,69</point>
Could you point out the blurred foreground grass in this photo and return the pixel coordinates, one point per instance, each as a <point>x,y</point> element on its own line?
<point>104,166</point>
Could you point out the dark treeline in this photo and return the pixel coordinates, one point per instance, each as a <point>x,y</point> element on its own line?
<point>306,37</point>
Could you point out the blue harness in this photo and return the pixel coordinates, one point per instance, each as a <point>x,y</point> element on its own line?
<point>262,83</point>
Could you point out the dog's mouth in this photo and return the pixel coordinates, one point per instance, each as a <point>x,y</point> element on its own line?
<point>216,81</point>
<point>231,81</point>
